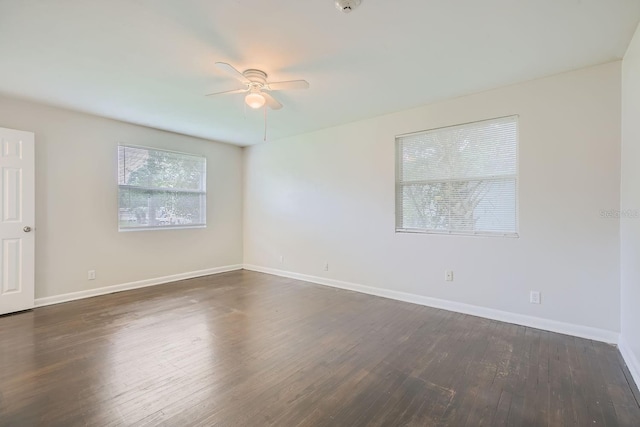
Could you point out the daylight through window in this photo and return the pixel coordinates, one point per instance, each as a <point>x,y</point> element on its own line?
<point>459,179</point>
<point>160,189</point>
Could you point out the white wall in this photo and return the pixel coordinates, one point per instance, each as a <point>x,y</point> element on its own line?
<point>329,196</point>
<point>630,200</point>
<point>77,203</point>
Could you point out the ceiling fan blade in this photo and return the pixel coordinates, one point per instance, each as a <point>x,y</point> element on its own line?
<point>229,92</point>
<point>231,71</point>
<point>271,101</point>
<point>288,85</point>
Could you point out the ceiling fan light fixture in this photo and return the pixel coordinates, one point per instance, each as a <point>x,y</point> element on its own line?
<point>255,100</point>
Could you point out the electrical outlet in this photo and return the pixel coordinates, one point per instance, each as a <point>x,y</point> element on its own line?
<point>534,297</point>
<point>281,259</point>
<point>448,276</point>
<point>91,275</point>
<point>326,266</point>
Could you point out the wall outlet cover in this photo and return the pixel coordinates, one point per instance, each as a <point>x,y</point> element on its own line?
<point>534,297</point>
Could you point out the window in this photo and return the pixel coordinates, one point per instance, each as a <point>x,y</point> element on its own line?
<point>459,179</point>
<point>160,189</point>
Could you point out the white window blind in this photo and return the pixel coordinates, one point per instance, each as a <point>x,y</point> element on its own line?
<point>160,189</point>
<point>459,179</point>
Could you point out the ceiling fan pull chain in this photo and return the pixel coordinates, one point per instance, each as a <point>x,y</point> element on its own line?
<point>265,123</point>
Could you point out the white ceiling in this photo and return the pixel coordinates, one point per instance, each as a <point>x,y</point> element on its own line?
<point>151,61</point>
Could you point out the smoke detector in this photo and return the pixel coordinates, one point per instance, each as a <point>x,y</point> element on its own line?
<point>347,5</point>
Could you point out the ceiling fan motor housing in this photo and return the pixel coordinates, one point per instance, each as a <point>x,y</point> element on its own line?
<point>347,5</point>
<point>256,76</point>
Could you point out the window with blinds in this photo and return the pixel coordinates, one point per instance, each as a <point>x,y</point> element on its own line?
<point>160,189</point>
<point>459,180</point>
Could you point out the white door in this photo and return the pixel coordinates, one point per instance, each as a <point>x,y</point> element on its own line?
<point>17,213</point>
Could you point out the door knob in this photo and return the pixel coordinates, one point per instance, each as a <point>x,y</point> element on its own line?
<point>27,229</point>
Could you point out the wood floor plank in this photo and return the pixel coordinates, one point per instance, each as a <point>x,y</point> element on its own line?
<point>251,349</point>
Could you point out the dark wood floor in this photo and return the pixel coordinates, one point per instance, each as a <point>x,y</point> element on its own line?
<point>250,349</point>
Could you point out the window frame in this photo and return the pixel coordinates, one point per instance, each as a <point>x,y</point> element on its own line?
<point>202,192</point>
<point>399,185</point>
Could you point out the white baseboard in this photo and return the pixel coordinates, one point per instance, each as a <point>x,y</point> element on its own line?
<point>57,299</point>
<point>630,359</point>
<point>489,313</point>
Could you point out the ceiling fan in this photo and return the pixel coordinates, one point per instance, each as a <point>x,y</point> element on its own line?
<point>257,87</point>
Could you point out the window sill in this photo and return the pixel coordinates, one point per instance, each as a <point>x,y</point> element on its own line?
<point>457,233</point>
<point>168,227</point>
